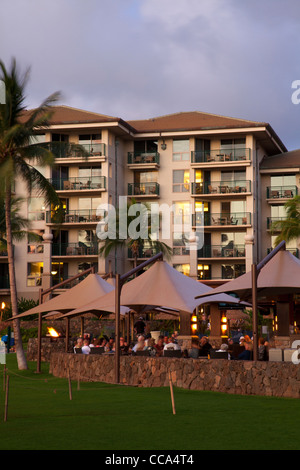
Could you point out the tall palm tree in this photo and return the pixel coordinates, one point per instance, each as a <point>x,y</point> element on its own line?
<point>136,244</point>
<point>288,228</point>
<point>17,159</point>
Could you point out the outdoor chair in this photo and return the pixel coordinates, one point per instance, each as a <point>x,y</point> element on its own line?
<point>172,353</point>
<point>214,354</point>
<point>67,185</point>
<point>97,351</point>
<point>275,355</point>
<point>211,189</point>
<point>288,193</point>
<point>274,194</point>
<point>142,353</point>
<point>287,354</point>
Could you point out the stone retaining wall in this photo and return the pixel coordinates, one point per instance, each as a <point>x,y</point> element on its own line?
<point>280,379</point>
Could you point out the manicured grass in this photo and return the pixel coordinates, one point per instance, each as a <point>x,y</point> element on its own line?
<point>41,416</point>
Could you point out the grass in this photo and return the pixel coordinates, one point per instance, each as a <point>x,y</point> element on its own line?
<point>41,416</point>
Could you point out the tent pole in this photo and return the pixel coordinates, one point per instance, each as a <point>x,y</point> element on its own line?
<point>39,345</point>
<point>254,312</point>
<point>117,332</point>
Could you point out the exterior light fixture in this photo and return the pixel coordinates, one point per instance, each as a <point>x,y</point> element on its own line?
<point>224,326</point>
<point>194,323</point>
<point>163,145</point>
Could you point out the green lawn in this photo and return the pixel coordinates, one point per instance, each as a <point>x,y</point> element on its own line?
<point>41,416</point>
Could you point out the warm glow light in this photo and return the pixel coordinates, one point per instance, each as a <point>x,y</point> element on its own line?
<point>194,327</point>
<point>3,305</point>
<point>224,328</point>
<point>224,319</point>
<point>194,319</point>
<point>52,332</point>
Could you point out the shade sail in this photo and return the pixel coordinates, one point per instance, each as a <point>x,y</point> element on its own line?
<point>280,276</point>
<point>92,287</point>
<point>160,286</point>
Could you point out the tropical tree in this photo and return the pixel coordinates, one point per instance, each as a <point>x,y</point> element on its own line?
<point>133,232</point>
<point>289,228</point>
<point>18,158</point>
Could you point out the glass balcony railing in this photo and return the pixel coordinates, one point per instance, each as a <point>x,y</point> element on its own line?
<point>221,155</point>
<point>277,192</point>
<point>68,150</point>
<point>79,183</point>
<point>204,219</point>
<point>74,249</point>
<point>143,252</point>
<point>143,189</point>
<point>272,220</point>
<point>218,251</point>
<point>140,158</point>
<point>294,251</point>
<point>222,187</point>
<point>75,216</point>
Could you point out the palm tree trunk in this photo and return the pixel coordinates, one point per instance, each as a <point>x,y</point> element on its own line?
<point>21,359</point>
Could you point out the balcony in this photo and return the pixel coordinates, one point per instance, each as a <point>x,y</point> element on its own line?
<point>272,220</point>
<point>79,183</point>
<point>230,155</point>
<point>143,160</point>
<point>74,249</point>
<point>294,251</point>
<point>218,251</point>
<point>223,188</point>
<point>84,216</point>
<point>277,193</point>
<point>65,150</point>
<point>143,252</point>
<point>143,189</point>
<point>219,220</point>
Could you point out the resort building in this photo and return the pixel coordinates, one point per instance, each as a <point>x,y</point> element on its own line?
<point>219,174</point>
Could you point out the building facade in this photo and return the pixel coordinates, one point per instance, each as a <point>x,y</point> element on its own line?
<point>215,173</point>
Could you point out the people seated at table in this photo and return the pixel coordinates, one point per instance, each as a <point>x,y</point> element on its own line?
<point>85,348</point>
<point>193,352</point>
<point>79,344</point>
<point>123,346</point>
<point>171,346</point>
<point>159,346</point>
<point>262,350</point>
<point>246,355</point>
<point>140,345</point>
<point>224,348</point>
<point>204,346</point>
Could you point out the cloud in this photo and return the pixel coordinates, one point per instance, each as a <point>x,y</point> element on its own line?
<point>144,58</point>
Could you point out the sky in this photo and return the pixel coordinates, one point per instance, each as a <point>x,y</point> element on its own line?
<point>138,59</point>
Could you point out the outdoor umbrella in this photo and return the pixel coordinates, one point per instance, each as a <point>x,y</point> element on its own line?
<point>159,286</point>
<point>279,276</point>
<point>92,287</point>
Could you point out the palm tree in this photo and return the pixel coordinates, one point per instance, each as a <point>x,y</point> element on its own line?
<point>136,244</point>
<point>289,228</point>
<point>17,159</point>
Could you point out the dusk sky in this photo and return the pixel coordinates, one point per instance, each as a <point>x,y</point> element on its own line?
<point>139,59</point>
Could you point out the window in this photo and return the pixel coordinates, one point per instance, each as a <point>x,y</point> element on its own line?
<point>182,214</point>
<point>89,138</point>
<point>233,143</point>
<point>232,271</point>
<point>87,203</point>
<point>181,150</point>
<point>179,244</point>
<point>145,146</point>
<point>181,181</point>
<point>203,271</point>
<point>89,172</point>
<point>283,180</point>
<point>59,272</point>
<point>35,242</point>
<point>36,208</point>
<point>233,176</point>
<point>34,274</point>
<point>182,268</point>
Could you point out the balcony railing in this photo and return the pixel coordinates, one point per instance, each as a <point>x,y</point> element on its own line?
<point>294,251</point>
<point>74,249</point>
<point>218,251</point>
<point>272,220</point>
<point>75,216</point>
<point>222,187</point>
<point>204,219</point>
<point>277,192</point>
<point>143,252</point>
<point>143,189</point>
<point>68,150</point>
<point>136,158</point>
<point>221,155</point>
<point>79,183</point>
